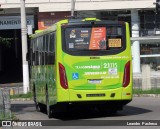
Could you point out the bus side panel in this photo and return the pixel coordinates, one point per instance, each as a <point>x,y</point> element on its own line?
<point>40,85</point>
<point>36,83</point>
<point>127,91</point>
<point>62,94</point>
<point>51,84</point>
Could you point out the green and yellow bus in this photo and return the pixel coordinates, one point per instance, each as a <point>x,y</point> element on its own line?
<point>81,61</point>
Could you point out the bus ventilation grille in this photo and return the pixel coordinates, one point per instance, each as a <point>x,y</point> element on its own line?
<point>95,95</point>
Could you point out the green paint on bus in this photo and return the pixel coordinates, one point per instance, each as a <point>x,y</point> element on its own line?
<point>82,60</point>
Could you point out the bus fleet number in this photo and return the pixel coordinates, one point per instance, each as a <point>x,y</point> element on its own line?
<point>110,65</point>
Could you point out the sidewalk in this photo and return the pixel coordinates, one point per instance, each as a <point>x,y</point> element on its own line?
<point>154,74</point>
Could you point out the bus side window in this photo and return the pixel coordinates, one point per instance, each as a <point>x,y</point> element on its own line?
<point>46,49</point>
<point>40,49</point>
<point>31,52</point>
<point>43,50</point>
<point>51,52</point>
<point>33,55</point>
<point>36,52</point>
<point>38,59</point>
<point>52,42</point>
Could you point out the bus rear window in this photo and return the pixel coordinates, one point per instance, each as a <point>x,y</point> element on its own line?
<point>93,38</point>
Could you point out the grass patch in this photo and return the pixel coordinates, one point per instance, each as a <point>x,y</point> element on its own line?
<point>2,115</point>
<point>7,115</point>
<point>14,117</point>
<point>28,95</point>
<point>152,91</point>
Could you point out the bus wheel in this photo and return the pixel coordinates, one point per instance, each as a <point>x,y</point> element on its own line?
<point>49,110</point>
<point>35,99</point>
<point>37,106</point>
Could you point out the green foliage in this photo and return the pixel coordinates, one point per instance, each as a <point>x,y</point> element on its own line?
<point>7,116</point>
<point>1,115</point>
<point>151,91</point>
<point>5,41</point>
<point>14,117</point>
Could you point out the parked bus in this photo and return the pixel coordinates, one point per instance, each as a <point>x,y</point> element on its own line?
<point>81,61</point>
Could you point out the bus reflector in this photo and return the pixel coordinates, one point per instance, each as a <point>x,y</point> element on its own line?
<point>63,77</point>
<point>128,93</point>
<point>126,76</point>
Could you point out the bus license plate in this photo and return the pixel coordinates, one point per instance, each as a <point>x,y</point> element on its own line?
<point>95,81</point>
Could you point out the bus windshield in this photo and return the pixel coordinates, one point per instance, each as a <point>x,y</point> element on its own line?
<point>94,38</point>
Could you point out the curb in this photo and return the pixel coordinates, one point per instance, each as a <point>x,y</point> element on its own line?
<point>147,95</point>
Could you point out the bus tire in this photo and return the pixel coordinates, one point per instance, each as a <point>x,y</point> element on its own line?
<point>48,107</point>
<point>35,99</point>
<point>37,106</point>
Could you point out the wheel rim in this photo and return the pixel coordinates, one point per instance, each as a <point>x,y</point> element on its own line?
<point>35,101</point>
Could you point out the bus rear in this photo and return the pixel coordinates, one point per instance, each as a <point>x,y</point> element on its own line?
<point>93,62</point>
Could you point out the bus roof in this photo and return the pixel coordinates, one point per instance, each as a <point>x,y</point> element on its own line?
<point>71,21</point>
<point>54,26</point>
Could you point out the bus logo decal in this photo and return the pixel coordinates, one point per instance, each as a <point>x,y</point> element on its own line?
<point>75,76</point>
<point>72,34</point>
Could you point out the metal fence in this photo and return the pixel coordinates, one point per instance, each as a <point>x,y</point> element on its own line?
<point>148,79</point>
<point>137,84</point>
<point>155,83</point>
<point>16,90</point>
<point>5,105</point>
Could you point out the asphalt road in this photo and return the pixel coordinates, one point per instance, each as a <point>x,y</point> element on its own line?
<point>141,108</point>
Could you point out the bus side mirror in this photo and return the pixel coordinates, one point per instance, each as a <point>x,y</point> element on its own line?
<point>27,56</point>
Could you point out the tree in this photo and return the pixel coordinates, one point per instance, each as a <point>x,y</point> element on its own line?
<point>5,41</point>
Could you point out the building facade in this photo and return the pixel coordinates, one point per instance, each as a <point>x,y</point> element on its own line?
<point>143,21</point>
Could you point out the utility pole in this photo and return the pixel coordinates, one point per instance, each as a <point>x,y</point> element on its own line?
<point>24,48</point>
<point>72,7</point>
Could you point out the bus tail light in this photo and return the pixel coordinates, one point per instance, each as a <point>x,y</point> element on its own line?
<point>126,76</point>
<point>63,77</point>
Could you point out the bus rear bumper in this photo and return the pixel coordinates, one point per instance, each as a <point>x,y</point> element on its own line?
<point>71,95</point>
<point>113,99</point>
